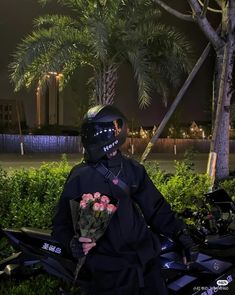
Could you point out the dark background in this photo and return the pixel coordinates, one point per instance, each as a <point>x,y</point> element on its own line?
<point>16,21</point>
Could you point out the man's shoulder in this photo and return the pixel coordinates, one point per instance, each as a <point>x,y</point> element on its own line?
<point>78,170</point>
<point>133,163</point>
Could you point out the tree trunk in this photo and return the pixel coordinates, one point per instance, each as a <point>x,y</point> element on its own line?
<point>220,135</point>
<point>105,82</point>
<point>215,89</point>
<point>225,62</point>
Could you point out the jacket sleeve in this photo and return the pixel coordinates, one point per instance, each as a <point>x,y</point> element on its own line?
<point>62,224</point>
<point>156,210</point>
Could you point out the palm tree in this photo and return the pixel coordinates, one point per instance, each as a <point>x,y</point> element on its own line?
<point>103,35</point>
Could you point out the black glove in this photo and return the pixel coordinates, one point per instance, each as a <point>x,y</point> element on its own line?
<point>190,248</point>
<point>76,247</point>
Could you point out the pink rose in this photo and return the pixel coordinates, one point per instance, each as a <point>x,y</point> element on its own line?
<point>83,204</point>
<point>111,208</point>
<point>96,206</point>
<point>87,197</point>
<point>97,195</point>
<point>102,206</point>
<point>104,199</point>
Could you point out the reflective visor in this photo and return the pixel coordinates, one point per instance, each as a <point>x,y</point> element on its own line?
<point>96,133</point>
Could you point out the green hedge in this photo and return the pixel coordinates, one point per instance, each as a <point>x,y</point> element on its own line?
<point>28,198</point>
<point>182,189</point>
<point>43,285</point>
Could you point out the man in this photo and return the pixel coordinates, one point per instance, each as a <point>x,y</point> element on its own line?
<point>125,260</point>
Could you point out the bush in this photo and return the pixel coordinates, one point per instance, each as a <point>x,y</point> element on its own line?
<point>5,197</point>
<point>43,285</point>
<point>184,188</point>
<point>229,186</point>
<point>29,196</point>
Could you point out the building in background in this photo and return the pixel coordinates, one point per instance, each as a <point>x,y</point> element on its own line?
<point>12,115</point>
<point>49,103</point>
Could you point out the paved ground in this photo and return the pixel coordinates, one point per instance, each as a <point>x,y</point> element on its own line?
<point>166,161</point>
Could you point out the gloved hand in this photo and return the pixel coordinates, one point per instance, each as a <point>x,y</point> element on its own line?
<point>190,248</point>
<point>80,246</point>
<point>76,247</point>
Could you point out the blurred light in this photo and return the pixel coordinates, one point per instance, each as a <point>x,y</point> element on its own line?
<point>53,73</point>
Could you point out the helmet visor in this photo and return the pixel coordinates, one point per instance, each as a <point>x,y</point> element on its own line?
<point>100,132</point>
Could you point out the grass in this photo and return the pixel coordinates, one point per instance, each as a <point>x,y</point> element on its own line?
<point>165,161</point>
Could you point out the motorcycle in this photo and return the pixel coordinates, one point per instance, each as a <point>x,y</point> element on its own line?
<point>210,273</point>
<point>214,271</point>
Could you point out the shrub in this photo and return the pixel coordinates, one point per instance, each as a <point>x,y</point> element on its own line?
<point>5,198</point>
<point>229,186</point>
<point>31,195</point>
<point>28,197</point>
<point>182,188</point>
<point>42,285</point>
<point>158,176</point>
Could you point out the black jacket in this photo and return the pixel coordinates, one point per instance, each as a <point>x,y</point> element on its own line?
<point>131,235</point>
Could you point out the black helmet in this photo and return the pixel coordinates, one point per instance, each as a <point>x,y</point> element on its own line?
<point>103,131</point>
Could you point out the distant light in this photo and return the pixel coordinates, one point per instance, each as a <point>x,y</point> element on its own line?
<point>53,73</point>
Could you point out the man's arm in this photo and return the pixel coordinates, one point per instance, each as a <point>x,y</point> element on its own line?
<point>161,218</point>
<point>62,224</point>
<point>63,228</point>
<point>156,210</point>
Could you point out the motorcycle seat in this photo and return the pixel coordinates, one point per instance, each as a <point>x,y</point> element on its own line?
<point>38,233</point>
<point>221,199</point>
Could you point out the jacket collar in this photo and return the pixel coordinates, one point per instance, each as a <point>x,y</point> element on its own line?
<point>114,161</point>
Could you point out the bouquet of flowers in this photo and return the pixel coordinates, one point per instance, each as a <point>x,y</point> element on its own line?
<point>94,214</point>
<point>91,217</point>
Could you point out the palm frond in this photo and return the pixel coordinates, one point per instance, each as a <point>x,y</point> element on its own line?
<point>170,43</point>
<point>74,4</point>
<point>48,21</point>
<point>99,38</point>
<point>39,52</point>
<point>138,12</point>
<point>44,2</point>
<point>168,52</point>
<point>141,67</point>
<point>31,47</point>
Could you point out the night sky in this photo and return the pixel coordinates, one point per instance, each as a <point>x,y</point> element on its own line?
<point>16,17</point>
